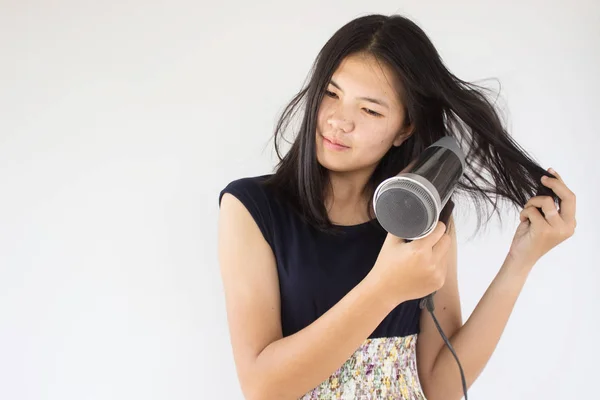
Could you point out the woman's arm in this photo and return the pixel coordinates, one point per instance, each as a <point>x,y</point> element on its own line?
<point>269,366</point>
<point>474,342</point>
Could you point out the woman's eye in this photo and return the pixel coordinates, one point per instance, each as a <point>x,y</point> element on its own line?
<point>371,112</point>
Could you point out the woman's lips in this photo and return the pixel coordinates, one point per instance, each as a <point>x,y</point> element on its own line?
<point>333,146</point>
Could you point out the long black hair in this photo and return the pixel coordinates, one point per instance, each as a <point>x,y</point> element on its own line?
<point>437,104</point>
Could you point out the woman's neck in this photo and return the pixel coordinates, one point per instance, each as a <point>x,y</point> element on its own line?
<point>346,200</point>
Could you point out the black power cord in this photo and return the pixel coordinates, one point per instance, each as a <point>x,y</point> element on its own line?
<point>427,302</point>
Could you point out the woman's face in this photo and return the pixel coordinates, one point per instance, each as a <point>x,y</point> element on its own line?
<point>360,117</point>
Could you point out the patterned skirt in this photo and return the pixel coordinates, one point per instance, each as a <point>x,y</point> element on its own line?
<point>382,368</point>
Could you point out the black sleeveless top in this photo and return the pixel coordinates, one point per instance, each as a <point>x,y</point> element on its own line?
<point>316,269</point>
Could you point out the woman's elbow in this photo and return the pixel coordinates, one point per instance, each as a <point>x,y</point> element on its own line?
<point>261,388</point>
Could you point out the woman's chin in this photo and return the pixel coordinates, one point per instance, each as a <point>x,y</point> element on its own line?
<point>334,166</point>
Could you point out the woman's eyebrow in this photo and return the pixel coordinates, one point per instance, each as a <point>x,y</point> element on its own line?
<point>372,100</point>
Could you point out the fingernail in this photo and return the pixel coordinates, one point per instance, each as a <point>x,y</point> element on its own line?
<point>552,170</point>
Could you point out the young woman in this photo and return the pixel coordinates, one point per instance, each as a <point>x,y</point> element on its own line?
<point>321,301</point>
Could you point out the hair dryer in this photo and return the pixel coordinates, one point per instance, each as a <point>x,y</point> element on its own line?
<point>409,204</point>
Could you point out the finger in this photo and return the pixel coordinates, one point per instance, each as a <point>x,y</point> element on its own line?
<point>394,239</point>
<point>532,214</point>
<point>553,172</point>
<point>568,201</point>
<point>546,203</point>
<point>435,235</point>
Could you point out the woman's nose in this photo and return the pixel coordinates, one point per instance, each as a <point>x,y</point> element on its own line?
<point>343,124</point>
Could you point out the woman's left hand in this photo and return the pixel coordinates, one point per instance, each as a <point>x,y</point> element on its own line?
<point>536,234</point>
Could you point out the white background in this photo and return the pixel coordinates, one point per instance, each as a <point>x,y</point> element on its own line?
<point>120,122</point>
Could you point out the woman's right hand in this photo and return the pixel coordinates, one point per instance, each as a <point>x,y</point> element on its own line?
<point>405,271</point>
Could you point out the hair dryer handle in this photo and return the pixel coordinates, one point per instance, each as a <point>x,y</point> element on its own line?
<point>427,301</point>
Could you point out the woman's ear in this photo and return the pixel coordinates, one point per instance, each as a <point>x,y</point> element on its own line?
<point>404,134</point>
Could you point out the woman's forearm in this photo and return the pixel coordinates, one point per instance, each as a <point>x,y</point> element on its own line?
<point>292,366</point>
<point>477,339</point>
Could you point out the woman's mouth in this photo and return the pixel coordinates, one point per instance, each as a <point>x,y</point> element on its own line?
<point>333,145</point>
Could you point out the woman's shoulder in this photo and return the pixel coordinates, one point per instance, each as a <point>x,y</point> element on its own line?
<point>252,192</point>
<point>250,187</point>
